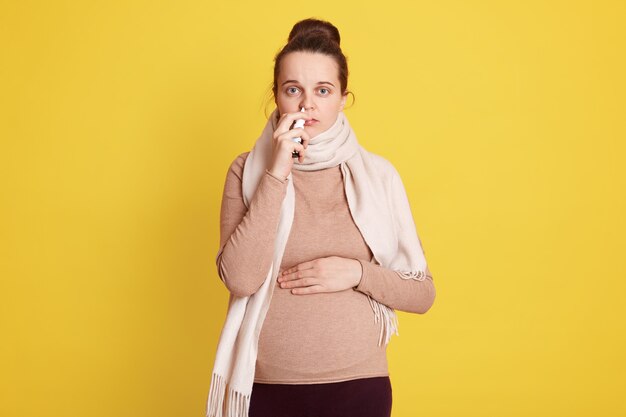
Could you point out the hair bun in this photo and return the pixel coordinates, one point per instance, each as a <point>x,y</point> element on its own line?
<point>317,37</point>
<point>314,28</point>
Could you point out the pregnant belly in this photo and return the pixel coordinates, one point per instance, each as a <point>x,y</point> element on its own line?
<point>315,333</point>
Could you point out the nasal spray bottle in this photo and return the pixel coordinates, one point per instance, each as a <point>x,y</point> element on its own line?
<point>299,124</point>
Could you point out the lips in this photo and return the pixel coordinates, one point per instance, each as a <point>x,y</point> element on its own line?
<point>310,122</point>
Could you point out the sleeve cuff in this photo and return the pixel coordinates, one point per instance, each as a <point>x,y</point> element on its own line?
<point>283,180</point>
<point>364,276</point>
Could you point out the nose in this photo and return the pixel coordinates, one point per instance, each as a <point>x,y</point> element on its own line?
<point>307,101</point>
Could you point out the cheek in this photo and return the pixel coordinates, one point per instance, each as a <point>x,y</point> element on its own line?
<point>334,106</point>
<point>332,109</point>
<point>286,106</point>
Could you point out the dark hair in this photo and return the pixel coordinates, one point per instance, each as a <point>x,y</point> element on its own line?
<point>314,35</point>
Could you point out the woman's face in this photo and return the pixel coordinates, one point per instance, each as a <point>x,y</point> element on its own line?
<point>310,80</point>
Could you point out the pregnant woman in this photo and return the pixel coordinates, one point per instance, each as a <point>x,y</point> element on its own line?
<point>318,246</point>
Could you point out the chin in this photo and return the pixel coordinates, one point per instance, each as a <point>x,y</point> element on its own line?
<point>313,132</point>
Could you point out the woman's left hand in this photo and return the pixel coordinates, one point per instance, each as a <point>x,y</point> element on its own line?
<point>330,274</point>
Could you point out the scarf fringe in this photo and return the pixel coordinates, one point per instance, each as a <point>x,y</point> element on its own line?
<point>237,404</point>
<point>416,275</point>
<point>388,319</point>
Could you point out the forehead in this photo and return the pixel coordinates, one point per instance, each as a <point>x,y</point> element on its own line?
<point>308,67</point>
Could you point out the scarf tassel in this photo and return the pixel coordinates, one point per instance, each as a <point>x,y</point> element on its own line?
<point>386,315</point>
<point>416,275</point>
<point>237,404</point>
<point>388,319</point>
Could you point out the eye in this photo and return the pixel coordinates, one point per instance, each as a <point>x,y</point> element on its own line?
<point>324,91</point>
<point>292,90</point>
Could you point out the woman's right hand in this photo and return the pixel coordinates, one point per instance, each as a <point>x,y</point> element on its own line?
<point>283,144</point>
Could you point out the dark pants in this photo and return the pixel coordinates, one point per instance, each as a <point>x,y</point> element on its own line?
<point>366,397</point>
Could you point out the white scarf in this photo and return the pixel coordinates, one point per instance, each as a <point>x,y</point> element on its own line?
<point>380,208</point>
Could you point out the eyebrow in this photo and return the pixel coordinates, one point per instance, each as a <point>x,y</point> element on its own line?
<point>319,82</point>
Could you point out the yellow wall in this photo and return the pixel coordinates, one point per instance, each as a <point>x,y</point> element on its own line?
<point>118,120</point>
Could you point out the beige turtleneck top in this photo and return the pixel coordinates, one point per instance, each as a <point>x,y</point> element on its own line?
<point>312,338</point>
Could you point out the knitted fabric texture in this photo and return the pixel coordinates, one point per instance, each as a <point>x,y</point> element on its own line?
<point>380,209</point>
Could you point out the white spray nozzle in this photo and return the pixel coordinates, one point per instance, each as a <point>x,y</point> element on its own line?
<point>299,122</point>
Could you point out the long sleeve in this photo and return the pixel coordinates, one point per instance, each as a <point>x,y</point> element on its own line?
<point>387,287</point>
<point>247,234</point>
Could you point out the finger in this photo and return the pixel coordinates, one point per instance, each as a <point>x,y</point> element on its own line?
<point>300,282</point>
<point>301,133</point>
<point>288,119</point>
<point>297,275</point>
<point>290,146</point>
<point>308,290</point>
<point>286,141</point>
<point>305,140</point>
<point>299,267</point>
<point>299,149</point>
<point>293,133</point>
